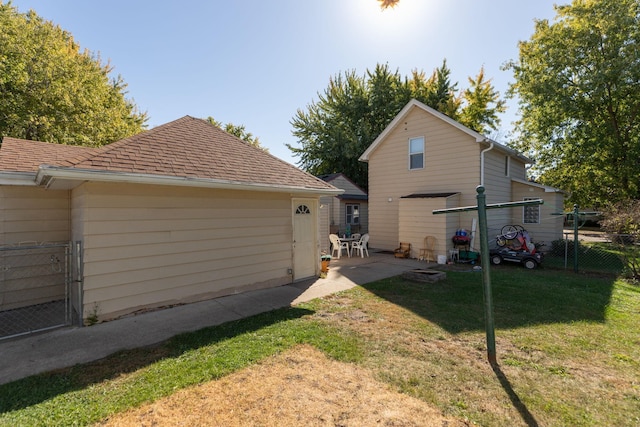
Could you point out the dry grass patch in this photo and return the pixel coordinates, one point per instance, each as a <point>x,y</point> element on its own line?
<point>299,387</point>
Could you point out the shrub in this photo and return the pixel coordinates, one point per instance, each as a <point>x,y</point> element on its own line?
<point>622,221</point>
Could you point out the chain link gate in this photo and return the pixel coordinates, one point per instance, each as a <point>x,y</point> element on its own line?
<point>35,288</point>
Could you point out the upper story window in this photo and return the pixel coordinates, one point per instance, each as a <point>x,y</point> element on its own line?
<point>507,162</point>
<point>416,153</point>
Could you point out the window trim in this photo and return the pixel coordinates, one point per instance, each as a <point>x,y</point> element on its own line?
<point>346,214</point>
<point>422,152</point>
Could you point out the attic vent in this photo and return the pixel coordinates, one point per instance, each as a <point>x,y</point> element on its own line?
<point>303,210</point>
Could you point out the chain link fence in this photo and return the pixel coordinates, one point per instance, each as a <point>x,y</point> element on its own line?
<point>594,252</point>
<point>34,288</point>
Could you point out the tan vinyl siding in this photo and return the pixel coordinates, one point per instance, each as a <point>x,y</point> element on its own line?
<point>364,216</point>
<point>324,217</point>
<point>551,223</point>
<point>32,214</point>
<point>29,216</point>
<point>498,190</point>
<point>417,222</point>
<point>451,165</point>
<point>148,246</point>
<point>518,169</point>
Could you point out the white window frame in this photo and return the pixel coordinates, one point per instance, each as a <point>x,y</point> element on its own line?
<point>355,215</point>
<point>419,139</point>
<point>532,207</point>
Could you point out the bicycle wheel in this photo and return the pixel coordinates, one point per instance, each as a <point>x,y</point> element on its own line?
<point>509,231</point>
<point>501,241</point>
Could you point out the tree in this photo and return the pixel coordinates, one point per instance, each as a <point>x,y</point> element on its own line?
<point>483,104</point>
<point>51,91</point>
<point>238,131</point>
<point>384,4</point>
<point>335,130</point>
<point>578,80</point>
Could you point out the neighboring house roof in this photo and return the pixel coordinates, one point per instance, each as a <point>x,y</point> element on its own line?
<point>187,152</point>
<point>349,194</point>
<point>417,104</point>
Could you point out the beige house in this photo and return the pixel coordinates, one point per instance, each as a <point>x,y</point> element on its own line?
<point>424,161</point>
<point>180,213</point>
<point>346,211</point>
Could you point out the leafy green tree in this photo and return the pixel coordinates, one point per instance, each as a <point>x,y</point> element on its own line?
<point>51,91</point>
<point>578,80</point>
<point>238,131</point>
<point>482,105</point>
<point>353,110</point>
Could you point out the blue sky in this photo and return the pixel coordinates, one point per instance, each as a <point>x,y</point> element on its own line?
<point>255,62</point>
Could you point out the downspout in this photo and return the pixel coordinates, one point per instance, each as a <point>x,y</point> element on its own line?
<point>482,162</point>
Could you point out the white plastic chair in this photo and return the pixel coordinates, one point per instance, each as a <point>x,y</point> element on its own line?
<point>338,245</point>
<point>361,245</point>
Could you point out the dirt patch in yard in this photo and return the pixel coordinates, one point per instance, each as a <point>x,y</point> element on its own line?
<point>297,388</point>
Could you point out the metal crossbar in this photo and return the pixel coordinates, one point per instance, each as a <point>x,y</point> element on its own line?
<point>484,253</point>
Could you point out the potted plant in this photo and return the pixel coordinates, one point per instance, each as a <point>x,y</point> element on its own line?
<point>324,261</point>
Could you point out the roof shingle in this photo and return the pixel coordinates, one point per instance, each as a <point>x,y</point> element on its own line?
<point>21,155</point>
<point>187,147</point>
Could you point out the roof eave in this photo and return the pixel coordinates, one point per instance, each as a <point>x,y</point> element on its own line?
<point>48,176</point>
<point>546,188</point>
<point>415,103</point>
<point>18,178</point>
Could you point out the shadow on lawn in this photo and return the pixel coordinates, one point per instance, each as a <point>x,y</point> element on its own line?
<point>39,388</point>
<point>520,297</point>
<point>522,409</point>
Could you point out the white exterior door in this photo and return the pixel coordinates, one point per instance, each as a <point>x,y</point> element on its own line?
<point>305,258</point>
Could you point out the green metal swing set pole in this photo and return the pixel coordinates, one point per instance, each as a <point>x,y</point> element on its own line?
<point>484,258</point>
<point>486,276</point>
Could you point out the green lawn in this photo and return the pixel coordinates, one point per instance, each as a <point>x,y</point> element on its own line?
<point>568,348</point>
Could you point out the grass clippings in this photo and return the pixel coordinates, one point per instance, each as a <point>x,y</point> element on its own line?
<point>300,387</point>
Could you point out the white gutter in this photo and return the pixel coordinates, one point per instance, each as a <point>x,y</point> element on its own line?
<point>47,174</point>
<point>18,178</point>
<point>482,162</point>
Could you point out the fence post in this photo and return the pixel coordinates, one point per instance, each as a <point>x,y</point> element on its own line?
<point>575,238</point>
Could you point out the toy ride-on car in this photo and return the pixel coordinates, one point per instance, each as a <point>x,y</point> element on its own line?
<point>528,259</point>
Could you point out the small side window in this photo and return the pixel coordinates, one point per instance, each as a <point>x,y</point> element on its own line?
<point>352,214</point>
<point>303,210</point>
<point>531,214</point>
<point>416,153</point>
<point>507,160</point>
